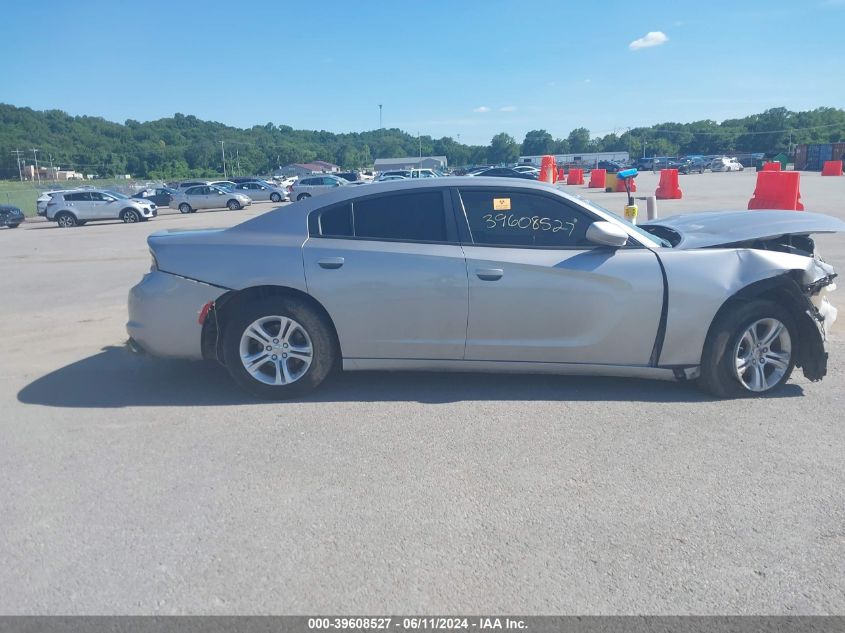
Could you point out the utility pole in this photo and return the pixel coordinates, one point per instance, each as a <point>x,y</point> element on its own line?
<point>35,153</point>
<point>17,154</point>
<point>52,171</point>
<point>223,151</point>
<point>238,159</point>
<point>380,126</point>
<point>419,140</point>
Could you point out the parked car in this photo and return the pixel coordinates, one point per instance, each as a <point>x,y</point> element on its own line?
<point>493,275</point>
<point>611,166</point>
<point>161,196</point>
<point>192,183</point>
<point>262,191</point>
<point>689,164</point>
<point>506,172</point>
<point>409,173</point>
<point>350,176</point>
<point>389,177</point>
<point>225,184</point>
<point>208,197</point>
<point>526,169</point>
<point>10,216</point>
<point>652,163</point>
<point>311,186</point>
<point>77,207</point>
<point>726,164</point>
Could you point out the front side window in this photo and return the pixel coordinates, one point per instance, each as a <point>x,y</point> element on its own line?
<point>513,218</point>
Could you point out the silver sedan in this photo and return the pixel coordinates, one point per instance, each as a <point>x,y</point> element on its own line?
<point>489,274</point>
<point>208,197</point>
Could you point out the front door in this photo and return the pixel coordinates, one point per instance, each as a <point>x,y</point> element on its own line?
<point>539,292</point>
<point>394,281</point>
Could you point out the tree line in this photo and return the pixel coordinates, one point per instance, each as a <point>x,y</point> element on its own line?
<point>184,146</point>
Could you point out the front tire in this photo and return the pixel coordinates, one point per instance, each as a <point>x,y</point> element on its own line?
<point>130,216</point>
<point>278,348</point>
<point>233,205</point>
<point>184,208</point>
<point>749,350</point>
<point>275,197</point>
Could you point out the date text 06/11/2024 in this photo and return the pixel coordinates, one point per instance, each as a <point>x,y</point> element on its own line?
<point>415,623</point>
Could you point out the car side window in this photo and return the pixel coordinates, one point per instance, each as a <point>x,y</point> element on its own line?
<point>335,221</point>
<point>514,218</point>
<point>73,197</point>
<point>418,217</point>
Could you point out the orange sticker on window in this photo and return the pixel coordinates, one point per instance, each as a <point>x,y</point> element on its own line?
<point>501,204</point>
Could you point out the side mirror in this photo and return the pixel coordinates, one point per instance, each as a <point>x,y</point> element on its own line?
<point>606,233</point>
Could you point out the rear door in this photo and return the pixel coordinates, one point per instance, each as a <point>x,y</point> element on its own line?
<point>539,292</point>
<point>394,279</point>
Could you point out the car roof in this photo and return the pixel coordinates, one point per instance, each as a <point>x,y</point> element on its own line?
<point>301,209</point>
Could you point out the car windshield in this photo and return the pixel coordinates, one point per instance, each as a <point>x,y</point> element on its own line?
<point>117,195</point>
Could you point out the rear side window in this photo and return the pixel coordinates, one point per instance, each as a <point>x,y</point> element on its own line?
<point>77,197</point>
<point>336,221</point>
<point>511,218</point>
<point>413,216</point>
<point>409,217</point>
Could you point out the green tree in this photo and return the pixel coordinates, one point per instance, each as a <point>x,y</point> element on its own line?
<point>579,140</point>
<point>537,143</point>
<point>503,149</point>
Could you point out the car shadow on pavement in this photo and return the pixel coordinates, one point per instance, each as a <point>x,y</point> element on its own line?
<point>116,378</point>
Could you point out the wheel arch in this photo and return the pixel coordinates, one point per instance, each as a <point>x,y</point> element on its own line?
<point>221,309</point>
<point>784,290</point>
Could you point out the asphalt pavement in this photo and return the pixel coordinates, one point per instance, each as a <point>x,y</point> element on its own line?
<point>138,486</point>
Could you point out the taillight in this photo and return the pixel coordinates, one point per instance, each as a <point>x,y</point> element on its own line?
<point>204,312</point>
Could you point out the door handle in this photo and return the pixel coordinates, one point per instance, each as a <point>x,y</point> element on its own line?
<point>330,263</point>
<point>489,274</point>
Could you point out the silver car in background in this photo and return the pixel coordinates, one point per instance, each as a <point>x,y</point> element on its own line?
<point>78,206</point>
<point>311,186</point>
<point>208,197</point>
<point>261,191</point>
<point>490,274</point>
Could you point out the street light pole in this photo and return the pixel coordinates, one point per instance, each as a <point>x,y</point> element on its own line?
<point>380,106</point>
<point>223,152</point>
<point>35,153</point>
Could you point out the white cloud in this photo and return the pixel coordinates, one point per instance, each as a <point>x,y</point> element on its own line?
<point>586,81</point>
<point>507,109</point>
<point>652,38</point>
<point>481,109</point>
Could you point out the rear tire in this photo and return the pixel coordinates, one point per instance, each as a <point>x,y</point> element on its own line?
<point>13,226</point>
<point>303,196</point>
<point>185,208</point>
<point>233,205</point>
<point>261,333</point>
<point>66,220</point>
<point>732,366</point>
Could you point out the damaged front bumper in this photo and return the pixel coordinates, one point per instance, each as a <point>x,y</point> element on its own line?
<point>820,317</point>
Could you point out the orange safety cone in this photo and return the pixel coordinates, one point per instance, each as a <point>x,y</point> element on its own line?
<point>547,169</point>
<point>668,188</point>
<point>598,178</point>
<point>832,168</point>
<point>777,190</point>
<point>576,177</point>
<point>620,185</point>
<point>773,166</point>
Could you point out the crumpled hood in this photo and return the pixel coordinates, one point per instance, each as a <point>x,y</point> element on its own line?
<point>723,228</point>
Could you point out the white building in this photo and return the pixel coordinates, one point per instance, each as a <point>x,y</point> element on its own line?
<point>584,158</point>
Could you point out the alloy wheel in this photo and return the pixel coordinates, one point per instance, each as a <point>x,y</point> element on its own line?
<point>762,354</point>
<point>276,350</point>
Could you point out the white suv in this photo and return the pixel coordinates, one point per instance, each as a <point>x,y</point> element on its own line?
<point>726,164</point>
<point>75,208</point>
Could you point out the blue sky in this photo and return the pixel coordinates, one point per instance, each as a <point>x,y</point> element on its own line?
<point>455,67</point>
